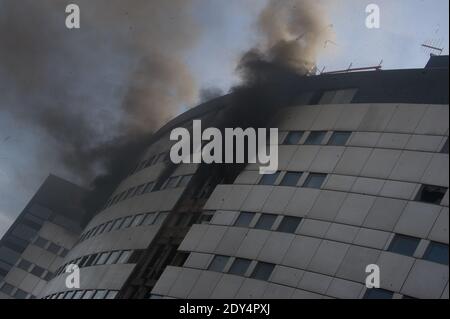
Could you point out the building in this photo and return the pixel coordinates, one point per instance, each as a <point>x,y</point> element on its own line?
<point>363,179</point>
<point>40,238</point>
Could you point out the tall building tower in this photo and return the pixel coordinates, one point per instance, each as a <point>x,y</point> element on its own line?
<point>40,238</point>
<point>363,180</point>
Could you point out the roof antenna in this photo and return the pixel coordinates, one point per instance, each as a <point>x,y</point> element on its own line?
<point>433,47</point>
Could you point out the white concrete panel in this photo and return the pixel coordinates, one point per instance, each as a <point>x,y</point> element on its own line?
<point>364,139</point>
<point>400,190</point>
<point>377,118</point>
<point>353,161</point>
<point>256,198</point>
<point>287,276</point>
<point>327,159</point>
<point>372,238</point>
<point>315,282</point>
<point>406,118</point>
<point>384,214</point>
<point>275,247</point>
<point>328,257</point>
<point>435,120</point>
<point>381,163</point>
<point>354,265</point>
<point>327,205</point>
<point>301,251</point>
<point>339,182</point>
<point>439,231</point>
<point>279,199</point>
<point>302,201</point>
<point>355,209</point>
<point>303,158</point>
<point>426,280</point>
<point>417,219</point>
<point>438,171</point>
<point>394,268</point>
<point>351,117</point>
<point>368,186</point>
<point>411,166</point>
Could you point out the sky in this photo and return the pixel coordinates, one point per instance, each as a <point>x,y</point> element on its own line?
<point>228,28</point>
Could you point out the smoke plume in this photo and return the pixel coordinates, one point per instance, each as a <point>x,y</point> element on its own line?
<point>99,91</point>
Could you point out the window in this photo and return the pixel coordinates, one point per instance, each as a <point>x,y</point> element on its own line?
<point>148,188</point>
<point>64,252</point>
<point>24,265</point>
<point>293,138</point>
<point>137,221</point>
<point>37,271</point>
<point>444,149</point>
<point>70,295</point>
<point>102,259</point>
<point>315,138</point>
<point>291,179</point>
<point>431,194</point>
<point>100,294</point>
<point>269,179</point>
<point>78,294</point>
<point>130,193</point>
<point>171,182</point>
<point>7,288</point>
<point>54,248</point>
<point>289,224</point>
<point>149,219</point>
<point>108,226</point>
<point>218,263</point>
<point>113,257</point>
<point>185,181</point>
<point>127,222</point>
<point>239,266</point>
<point>124,256</point>
<point>49,276</point>
<point>263,271</point>
<point>88,294</point>
<point>266,221</point>
<point>404,245</point>
<point>20,294</point>
<point>344,96</point>
<point>117,223</point>
<point>244,219</point>
<point>139,190</point>
<point>90,260</point>
<point>378,294</point>
<point>315,180</point>
<point>437,252</point>
<point>339,138</point>
<point>111,294</point>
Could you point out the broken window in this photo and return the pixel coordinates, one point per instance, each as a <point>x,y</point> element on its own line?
<point>431,194</point>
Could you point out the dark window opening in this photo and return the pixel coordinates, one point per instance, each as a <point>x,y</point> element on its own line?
<point>289,224</point>
<point>431,194</point>
<point>291,179</point>
<point>404,245</point>
<point>266,221</point>
<point>244,219</point>
<point>263,271</point>
<point>218,263</point>
<point>378,294</point>
<point>239,266</point>
<point>315,180</point>
<point>269,179</point>
<point>293,138</point>
<point>315,138</point>
<point>437,252</point>
<point>339,138</point>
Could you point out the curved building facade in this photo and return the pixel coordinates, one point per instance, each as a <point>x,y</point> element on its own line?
<point>363,180</point>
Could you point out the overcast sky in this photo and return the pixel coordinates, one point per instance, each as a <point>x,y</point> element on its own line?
<point>230,25</point>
